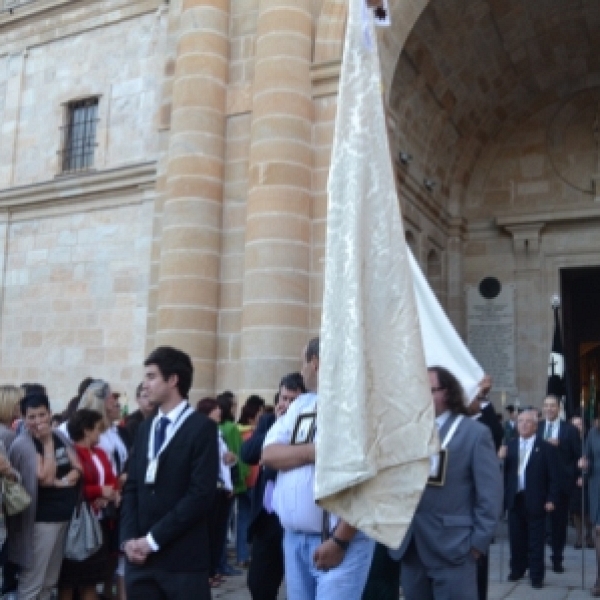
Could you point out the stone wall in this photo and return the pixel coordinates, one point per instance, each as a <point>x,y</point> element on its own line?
<point>75,248</point>
<point>75,293</point>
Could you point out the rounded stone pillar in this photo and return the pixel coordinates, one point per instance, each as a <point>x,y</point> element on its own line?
<point>190,243</point>
<point>277,269</point>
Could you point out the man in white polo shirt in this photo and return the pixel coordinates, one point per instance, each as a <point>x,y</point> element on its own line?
<point>315,569</point>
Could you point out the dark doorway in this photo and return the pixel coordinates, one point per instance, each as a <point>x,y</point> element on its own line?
<point>580,291</point>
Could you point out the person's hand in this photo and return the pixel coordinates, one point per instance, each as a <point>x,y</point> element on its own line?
<point>143,546</point>
<point>485,385</point>
<point>5,468</point>
<point>502,451</point>
<point>582,463</point>
<point>548,507</point>
<point>99,503</point>
<point>229,458</point>
<point>108,492</point>
<point>42,431</point>
<point>328,555</point>
<point>579,482</point>
<point>553,441</point>
<point>134,553</point>
<point>475,553</point>
<point>118,499</point>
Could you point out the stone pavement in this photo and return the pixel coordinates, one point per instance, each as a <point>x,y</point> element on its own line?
<point>565,586</point>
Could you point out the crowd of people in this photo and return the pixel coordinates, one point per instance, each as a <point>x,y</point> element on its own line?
<point>173,482</point>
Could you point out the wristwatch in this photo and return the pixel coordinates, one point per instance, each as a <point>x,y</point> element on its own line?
<point>343,544</point>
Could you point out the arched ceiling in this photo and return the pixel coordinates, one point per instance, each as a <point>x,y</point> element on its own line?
<point>470,67</point>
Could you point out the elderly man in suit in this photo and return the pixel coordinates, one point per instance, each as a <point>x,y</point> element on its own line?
<point>456,518</point>
<point>565,438</point>
<point>171,484</point>
<point>530,491</point>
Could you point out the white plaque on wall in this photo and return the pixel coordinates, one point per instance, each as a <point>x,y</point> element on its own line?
<point>491,330</point>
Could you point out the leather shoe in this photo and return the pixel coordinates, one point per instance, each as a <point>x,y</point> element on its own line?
<point>538,585</point>
<point>558,568</point>
<point>515,576</point>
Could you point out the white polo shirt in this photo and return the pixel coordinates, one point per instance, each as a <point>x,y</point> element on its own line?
<point>293,496</point>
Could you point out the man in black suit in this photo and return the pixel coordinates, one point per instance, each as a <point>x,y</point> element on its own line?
<point>530,491</point>
<point>171,484</point>
<point>264,531</point>
<point>565,438</point>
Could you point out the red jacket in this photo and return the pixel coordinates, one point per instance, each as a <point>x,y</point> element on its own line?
<point>92,489</point>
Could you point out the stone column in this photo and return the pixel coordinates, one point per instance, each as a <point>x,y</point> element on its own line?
<point>277,265</point>
<point>190,243</point>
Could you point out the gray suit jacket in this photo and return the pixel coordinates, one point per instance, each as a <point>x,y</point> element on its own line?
<point>463,513</point>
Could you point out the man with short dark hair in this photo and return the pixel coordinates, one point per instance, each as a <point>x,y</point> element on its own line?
<point>171,483</point>
<point>264,531</point>
<point>314,569</point>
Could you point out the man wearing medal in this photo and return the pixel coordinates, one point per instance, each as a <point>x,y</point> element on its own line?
<point>456,518</point>
<point>172,479</point>
<point>325,557</point>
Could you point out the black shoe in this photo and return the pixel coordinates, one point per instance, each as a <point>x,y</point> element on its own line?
<point>558,568</point>
<point>538,585</point>
<point>515,576</point>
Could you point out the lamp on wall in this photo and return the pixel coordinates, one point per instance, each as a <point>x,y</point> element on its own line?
<point>555,301</point>
<point>429,184</point>
<point>405,158</point>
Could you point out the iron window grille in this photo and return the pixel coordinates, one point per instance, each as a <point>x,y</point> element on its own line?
<point>79,135</point>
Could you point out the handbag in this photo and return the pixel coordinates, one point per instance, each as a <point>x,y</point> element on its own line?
<point>15,498</point>
<point>84,534</point>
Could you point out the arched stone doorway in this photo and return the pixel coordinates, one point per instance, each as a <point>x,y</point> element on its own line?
<point>498,104</point>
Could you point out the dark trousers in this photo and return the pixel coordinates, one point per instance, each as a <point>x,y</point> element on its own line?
<point>483,567</point>
<point>383,580</point>
<point>526,535</point>
<point>145,583</point>
<point>217,528</point>
<point>266,567</point>
<point>559,520</point>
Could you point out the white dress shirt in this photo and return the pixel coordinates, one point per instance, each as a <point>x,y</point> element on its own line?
<point>293,495</point>
<point>525,447</point>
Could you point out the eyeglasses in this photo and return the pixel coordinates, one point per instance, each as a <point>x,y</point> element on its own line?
<point>437,389</point>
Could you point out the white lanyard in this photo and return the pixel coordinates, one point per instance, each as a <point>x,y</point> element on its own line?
<point>183,415</point>
<point>451,432</point>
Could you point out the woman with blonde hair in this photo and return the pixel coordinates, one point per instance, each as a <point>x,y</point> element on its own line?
<point>10,396</point>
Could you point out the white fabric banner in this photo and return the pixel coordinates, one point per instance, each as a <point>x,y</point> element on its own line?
<point>441,342</point>
<point>375,428</point>
<point>375,418</point>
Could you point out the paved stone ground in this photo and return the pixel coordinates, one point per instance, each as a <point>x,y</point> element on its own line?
<point>565,586</point>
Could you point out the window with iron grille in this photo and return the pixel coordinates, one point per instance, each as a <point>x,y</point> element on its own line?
<point>79,135</point>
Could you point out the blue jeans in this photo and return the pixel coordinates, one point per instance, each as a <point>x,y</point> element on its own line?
<point>305,582</point>
<point>244,504</point>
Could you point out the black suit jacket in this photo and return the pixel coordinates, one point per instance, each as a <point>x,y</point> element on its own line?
<point>569,453</point>
<point>250,453</point>
<point>489,418</point>
<point>174,509</point>
<point>541,478</point>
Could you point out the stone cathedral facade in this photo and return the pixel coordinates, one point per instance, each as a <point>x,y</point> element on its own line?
<point>163,172</point>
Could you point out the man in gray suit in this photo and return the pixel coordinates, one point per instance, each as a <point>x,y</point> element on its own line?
<point>456,518</point>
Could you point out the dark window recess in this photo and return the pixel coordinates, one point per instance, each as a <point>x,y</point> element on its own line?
<point>79,135</point>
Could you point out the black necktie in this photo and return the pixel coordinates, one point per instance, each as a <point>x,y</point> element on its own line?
<point>159,434</point>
